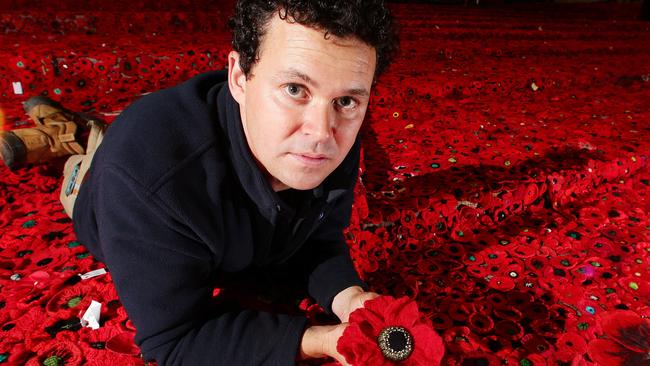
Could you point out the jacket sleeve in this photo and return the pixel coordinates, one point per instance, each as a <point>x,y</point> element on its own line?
<point>327,256</point>
<point>163,278</point>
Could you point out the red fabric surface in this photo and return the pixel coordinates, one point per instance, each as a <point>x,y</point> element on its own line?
<point>626,341</point>
<point>359,342</point>
<point>504,187</point>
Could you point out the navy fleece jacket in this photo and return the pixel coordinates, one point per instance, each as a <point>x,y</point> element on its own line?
<point>174,201</point>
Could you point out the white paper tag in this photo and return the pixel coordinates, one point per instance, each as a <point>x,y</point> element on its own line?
<point>90,319</point>
<point>18,87</point>
<point>91,274</point>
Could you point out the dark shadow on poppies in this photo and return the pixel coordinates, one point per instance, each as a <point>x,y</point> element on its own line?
<point>373,149</point>
<point>436,269</point>
<point>490,177</point>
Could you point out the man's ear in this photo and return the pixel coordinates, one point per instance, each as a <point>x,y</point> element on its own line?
<point>236,77</point>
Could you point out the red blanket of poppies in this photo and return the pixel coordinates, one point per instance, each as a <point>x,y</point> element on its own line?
<point>505,182</point>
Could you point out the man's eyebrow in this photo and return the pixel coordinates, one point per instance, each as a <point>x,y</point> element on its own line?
<point>300,75</point>
<point>293,73</point>
<point>360,92</point>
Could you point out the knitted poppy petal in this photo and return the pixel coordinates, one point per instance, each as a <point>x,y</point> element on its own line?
<point>357,348</point>
<point>123,344</point>
<point>606,352</point>
<point>374,320</point>
<point>429,348</point>
<point>407,314</point>
<point>628,329</point>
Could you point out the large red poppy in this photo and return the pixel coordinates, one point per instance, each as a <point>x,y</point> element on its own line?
<point>627,341</point>
<point>360,345</point>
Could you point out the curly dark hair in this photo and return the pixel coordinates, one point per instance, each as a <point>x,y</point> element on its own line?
<point>368,20</point>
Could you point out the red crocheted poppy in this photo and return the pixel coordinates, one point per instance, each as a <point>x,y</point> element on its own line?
<point>461,340</point>
<point>71,300</point>
<point>57,353</point>
<point>570,345</point>
<point>386,330</point>
<point>627,342</point>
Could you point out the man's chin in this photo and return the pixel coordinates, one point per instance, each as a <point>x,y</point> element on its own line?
<point>297,178</point>
<point>303,184</point>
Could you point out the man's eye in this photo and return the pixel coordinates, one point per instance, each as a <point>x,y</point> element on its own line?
<point>346,102</point>
<point>294,90</point>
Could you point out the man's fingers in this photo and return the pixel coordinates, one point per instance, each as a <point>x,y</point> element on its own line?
<point>355,302</point>
<point>342,361</point>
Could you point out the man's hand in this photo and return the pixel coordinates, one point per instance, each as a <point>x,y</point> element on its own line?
<point>321,341</point>
<point>349,300</point>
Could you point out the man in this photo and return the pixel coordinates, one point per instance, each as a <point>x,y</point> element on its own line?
<point>249,168</point>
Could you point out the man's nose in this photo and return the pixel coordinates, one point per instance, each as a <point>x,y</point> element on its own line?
<point>318,121</point>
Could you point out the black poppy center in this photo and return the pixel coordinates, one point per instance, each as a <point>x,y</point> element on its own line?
<point>396,343</point>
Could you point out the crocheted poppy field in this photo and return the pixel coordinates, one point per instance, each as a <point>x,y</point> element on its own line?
<point>504,183</point>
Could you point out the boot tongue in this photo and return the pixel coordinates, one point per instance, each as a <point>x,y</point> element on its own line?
<point>41,112</point>
<point>38,108</point>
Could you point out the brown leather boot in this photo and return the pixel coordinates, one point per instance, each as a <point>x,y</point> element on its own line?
<point>57,133</point>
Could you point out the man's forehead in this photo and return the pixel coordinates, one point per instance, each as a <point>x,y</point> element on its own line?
<point>293,73</point>
<point>306,53</point>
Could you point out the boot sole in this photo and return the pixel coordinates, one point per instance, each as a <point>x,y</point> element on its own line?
<point>40,100</point>
<point>12,149</point>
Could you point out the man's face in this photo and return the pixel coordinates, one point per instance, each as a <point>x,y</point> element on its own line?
<point>303,103</point>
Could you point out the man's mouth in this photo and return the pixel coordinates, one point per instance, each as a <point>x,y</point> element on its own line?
<point>310,159</point>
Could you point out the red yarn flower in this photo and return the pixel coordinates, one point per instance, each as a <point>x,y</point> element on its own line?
<point>627,342</point>
<point>386,329</point>
<point>57,353</point>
